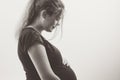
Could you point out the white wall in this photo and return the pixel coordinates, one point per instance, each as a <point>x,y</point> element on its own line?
<point>90,43</point>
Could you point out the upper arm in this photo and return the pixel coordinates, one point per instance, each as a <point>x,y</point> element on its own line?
<point>39,58</point>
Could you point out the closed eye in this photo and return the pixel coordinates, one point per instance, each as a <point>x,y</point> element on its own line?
<point>58,15</point>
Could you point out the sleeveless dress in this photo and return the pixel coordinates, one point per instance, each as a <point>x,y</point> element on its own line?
<point>29,37</point>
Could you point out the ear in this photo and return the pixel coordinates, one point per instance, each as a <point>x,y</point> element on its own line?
<point>43,14</point>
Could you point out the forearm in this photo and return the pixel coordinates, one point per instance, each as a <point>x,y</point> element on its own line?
<point>51,77</point>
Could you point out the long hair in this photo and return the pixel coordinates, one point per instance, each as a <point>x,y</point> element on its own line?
<point>33,9</point>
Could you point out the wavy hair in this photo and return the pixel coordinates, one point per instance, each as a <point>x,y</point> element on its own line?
<point>33,9</point>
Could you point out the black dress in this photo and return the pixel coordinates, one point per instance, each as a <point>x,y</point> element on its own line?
<point>29,37</point>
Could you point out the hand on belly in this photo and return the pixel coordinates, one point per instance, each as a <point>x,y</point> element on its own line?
<point>65,62</point>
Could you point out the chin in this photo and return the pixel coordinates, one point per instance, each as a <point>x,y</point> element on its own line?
<point>49,30</point>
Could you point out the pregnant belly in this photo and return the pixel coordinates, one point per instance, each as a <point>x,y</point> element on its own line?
<point>65,73</point>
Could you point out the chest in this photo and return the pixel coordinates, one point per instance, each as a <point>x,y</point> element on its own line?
<point>53,54</point>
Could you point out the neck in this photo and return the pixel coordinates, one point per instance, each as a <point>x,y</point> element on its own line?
<point>37,26</point>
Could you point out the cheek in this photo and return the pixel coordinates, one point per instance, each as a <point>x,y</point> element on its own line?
<point>51,21</point>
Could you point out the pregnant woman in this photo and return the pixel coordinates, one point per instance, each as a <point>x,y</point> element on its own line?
<point>40,59</point>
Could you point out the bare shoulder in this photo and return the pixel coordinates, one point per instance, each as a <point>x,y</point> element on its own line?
<point>37,49</point>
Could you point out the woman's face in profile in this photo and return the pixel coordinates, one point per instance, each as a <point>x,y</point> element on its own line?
<point>51,21</point>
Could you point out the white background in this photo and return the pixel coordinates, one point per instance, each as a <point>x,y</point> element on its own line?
<point>90,42</point>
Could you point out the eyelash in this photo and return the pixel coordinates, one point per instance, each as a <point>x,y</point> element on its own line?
<point>58,18</point>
